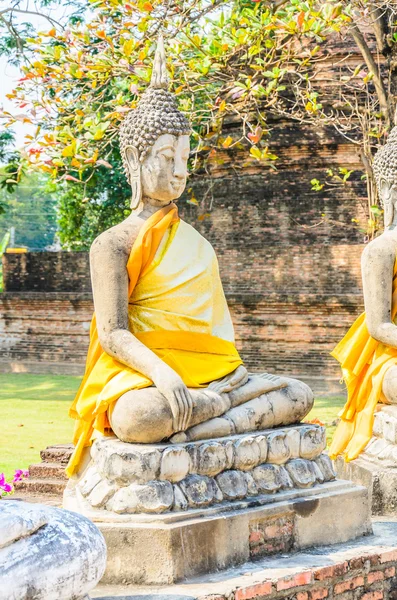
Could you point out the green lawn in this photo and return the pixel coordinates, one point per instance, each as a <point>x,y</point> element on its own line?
<point>34,410</point>
<point>326,409</point>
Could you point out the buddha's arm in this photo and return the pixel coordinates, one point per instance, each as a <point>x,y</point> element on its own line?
<point>377,270</point>
<point>108,258</point>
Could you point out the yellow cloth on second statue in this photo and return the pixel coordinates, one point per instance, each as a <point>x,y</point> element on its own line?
<point>364,362</point>
<point>177,308</point>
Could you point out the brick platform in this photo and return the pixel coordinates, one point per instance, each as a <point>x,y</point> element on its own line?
<point>47,480</point>
<point>360,570</point>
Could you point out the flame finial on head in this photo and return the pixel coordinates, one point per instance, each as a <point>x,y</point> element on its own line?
<point>159,74</point>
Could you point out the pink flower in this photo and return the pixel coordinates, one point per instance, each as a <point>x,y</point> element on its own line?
<point>20,474</point>
<point>6,487</point>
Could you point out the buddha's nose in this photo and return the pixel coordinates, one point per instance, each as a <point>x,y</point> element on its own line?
<point>179,169</point>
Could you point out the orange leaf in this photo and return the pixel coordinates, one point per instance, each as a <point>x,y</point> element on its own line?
<point>301,18</point>
<point>104,163</point>
<point>147,6</point>
<point>71,178</point>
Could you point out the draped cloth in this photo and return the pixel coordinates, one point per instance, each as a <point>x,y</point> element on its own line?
<point>364,362</point>
<point>177,308</point>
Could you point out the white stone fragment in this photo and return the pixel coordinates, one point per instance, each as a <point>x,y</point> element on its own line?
<point>285,479</point>
<point>325,464</point>
<point>233,484</point>
<point>180,501</point>
<point>313,441</point>
<point>63,558</point>
<point>261,440</point>
<point>252,488</point>
<point>175,464</point>
<point>211,459</point>
<point>247,454</point>
<point>301,472</point>
<point>126,463</point>
<point>293,440</point>
<point>101,494</point>
<point>151,497</point>
<point>267,478</point>
<point>200,490</point>
<point>278,450</point>
<point>229,449</point>
<point>89,481</point>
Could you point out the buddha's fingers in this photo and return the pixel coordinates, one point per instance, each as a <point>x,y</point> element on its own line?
<point>232,381</point>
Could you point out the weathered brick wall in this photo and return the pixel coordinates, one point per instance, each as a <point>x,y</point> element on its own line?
<point>46,272</point>
<point>289,309</point>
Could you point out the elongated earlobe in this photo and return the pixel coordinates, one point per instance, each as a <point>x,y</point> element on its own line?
<point>134,167</point>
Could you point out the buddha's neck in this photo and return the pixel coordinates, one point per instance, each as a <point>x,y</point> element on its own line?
<point>148,206</point>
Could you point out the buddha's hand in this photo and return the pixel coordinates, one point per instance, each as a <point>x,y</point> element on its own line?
<point>168,382</point>
<point>231,382</point>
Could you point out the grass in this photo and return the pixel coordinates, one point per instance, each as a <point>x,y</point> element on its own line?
<point>326,410</point>
<point>34,411</point>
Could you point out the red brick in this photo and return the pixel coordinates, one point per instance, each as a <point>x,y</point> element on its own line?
<point>286,583</point>
<point>390,556</point>
<point>378,595</point>
<point>255,536</point>
<point>318,594</point>
<point>272,531</point>
<point>390,572</point>
<point>348,584</point>
<point>332,571</point>
<point>254,591</point>
<point>375,576</point>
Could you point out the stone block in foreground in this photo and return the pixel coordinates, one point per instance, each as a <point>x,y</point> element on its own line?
<point>47,553</point>
<point>364,569</point>
<point>171,511</point>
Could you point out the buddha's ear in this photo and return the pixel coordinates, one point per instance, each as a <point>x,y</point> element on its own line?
<point>134,168</point>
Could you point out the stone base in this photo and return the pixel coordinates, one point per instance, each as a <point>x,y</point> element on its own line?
<point>380,480</point>
<point>363,569</point>
<point>162,549</point>
<point>376,467</point>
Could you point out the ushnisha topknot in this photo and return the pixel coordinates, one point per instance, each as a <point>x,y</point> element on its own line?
<point>157,113</point>
<point>385,160</point>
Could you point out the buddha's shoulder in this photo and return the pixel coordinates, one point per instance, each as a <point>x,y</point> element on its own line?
<point>191,233</point>
<point>384,246</point>
<point>117,239</point>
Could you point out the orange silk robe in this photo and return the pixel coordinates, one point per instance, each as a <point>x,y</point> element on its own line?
<point>177,308</point>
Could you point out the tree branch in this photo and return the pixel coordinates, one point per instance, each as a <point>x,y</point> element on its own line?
<point>379,24</point>
<point>11,9</point>
<point>373,67</point>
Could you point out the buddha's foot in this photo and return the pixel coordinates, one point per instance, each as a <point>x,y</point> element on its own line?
<point>283,406</point>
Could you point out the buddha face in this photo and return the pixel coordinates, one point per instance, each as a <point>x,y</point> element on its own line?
<point>388,198</point>
<point>162,173</point>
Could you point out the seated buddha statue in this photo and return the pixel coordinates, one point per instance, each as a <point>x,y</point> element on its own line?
<point>368,352</point>
<point>162,364</point>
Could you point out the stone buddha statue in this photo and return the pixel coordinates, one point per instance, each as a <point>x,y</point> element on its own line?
<point>162,364</point>
<point>368,352</point>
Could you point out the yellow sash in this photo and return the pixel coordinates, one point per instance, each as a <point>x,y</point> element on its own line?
<point>197,357</point>
<point>364,362</point>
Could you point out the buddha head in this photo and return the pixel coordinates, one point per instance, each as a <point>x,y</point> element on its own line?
<point>385,171</point>
<point>154,141</point>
